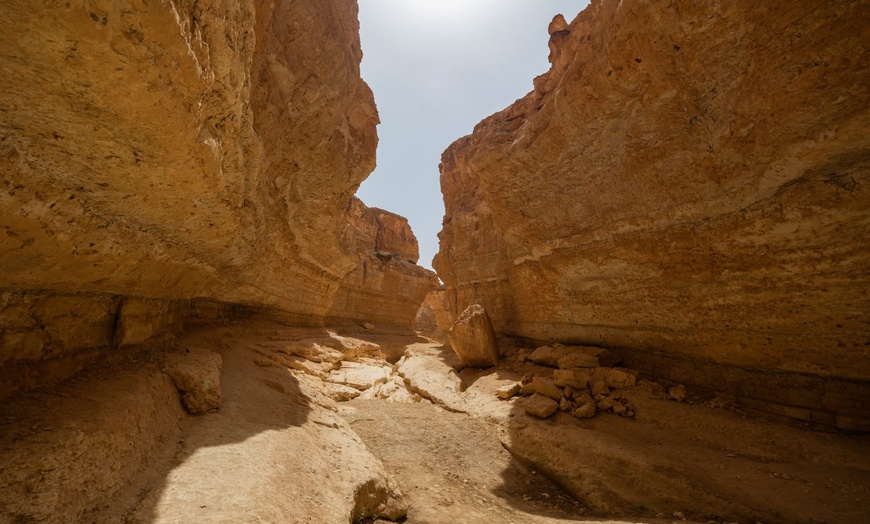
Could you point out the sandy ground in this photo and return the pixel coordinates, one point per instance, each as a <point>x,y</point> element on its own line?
<point>702,460</point>
<point>113,445</point>
<point>453,468</point>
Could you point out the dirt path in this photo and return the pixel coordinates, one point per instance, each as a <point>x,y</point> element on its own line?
<point>288,446</point>
<point>453,468</point>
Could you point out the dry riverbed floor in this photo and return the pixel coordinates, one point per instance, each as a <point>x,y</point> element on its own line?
<point>320,426</point>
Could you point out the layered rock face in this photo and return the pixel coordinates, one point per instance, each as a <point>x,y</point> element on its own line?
<point>184,150</point>
<point>386,285</point>
<point>688,184</point>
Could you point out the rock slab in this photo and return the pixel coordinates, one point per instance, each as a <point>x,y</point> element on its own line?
<point>473,339</point>
<point>197,375</point>
<point>540,406</point>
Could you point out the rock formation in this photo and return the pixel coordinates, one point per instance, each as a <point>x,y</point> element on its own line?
<point>159,152</point>
<point>687,186</point>
<point>433,318</point>
<point>167,164</point>
<point>473,338</point>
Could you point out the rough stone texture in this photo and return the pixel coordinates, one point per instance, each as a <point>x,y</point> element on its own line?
<point>197,375</point>
<point>473,339</point>
<point>46,337</point>
<point>587,410</point>
<point>570,378</point>
<point>588,357</point>
<point>686,181</point>
<point>429,373</point>
<point>569,357</point>
<point>388,232</point>
<point>360,375</point>
<point>87,440</point>
<point>508,391</point>
<point>139,320</point>
<point>547,387</point>
<point>434,318</point>
<point>619,379</point>
<point>179,150</point>
<point>540,406</point>
<point>677,392</point>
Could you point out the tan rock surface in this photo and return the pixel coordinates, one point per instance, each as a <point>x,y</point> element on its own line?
<point>434,318</point>
<point>173,150</point>
<point>687,183</point>
<point>197,375</point>
<point>428,371</point>
<point>709,461</point>
<point>114,445</point>
<point>472,338</point>
<point>158,152</point>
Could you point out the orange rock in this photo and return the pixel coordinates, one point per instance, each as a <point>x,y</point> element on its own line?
<point>696,196</point>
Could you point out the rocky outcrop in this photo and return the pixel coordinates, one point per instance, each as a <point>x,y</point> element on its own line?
<point>434,318</point>
<point>387,234</point>
<point>184,150</point>
<point>472,338</point>
<point>687,185</point>
<point>386,285</point>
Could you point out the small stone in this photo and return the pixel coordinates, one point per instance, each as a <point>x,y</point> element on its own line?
<point>600,387</point>
<point>527,389</point>
<point>585,411</point>
<point>508,391</point>
<point>583,398</point>
<point>619,379</point>
<point>523,355</point>
<point>570,377</point>
<point>548,355</point>
<point>564,404</point>
<point>606,403</point>
<point>547,387</point>
<point>368,326</point>
<point>340,392</point>
<point>677,393</point>
<point>619,409</point>
<point>679,515</point>
<point>540,406</point>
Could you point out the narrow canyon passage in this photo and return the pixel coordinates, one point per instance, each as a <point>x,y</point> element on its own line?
<point>652,298</point>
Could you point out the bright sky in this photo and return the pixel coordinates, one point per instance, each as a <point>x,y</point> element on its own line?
<point>437,68</point>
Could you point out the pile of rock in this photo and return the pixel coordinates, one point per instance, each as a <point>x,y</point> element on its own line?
<point>583,384</point>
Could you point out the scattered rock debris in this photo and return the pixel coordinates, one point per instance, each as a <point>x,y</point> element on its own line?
<point>579,386</point>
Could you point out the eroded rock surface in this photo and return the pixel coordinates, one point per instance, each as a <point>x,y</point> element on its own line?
<point>686,185</point>
<point>473,338</point>
<point>178,150</point>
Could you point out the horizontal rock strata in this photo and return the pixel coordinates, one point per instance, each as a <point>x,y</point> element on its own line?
<point>687,183</point>
<point>179,151</point>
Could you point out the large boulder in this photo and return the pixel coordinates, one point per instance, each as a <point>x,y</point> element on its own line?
<point>473,338</point>
<point>197,375</point>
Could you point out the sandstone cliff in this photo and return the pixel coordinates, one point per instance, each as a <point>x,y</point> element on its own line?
<point>179,150</point>
<point>688,183</point>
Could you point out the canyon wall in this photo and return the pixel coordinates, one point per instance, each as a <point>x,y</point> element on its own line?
<point>687,185</point>
<point>167,152</point>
